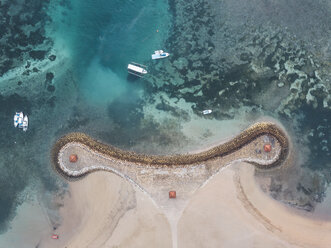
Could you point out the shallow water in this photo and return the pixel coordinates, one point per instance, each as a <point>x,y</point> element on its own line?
<point>241,66</point>
<point>106,36</point>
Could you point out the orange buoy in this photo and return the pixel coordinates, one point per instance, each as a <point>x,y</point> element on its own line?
<point>54,236</point>
<point>267,148</point>
<point>73,158</point>
<point>172,194</point>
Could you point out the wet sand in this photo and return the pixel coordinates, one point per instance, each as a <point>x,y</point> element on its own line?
<point>104,210</point>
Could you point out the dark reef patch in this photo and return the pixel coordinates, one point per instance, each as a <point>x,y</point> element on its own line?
<point>19,43</point>
<point>51,88</point>
<point>52,57</point>
<point>49,76</point>
<point>38,54</point>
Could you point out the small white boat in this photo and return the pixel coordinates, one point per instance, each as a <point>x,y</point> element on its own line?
<point>25,123</point>
<point>207,111</point>
<point>137,69</point>
<point>18,119</point>
<point>159,54</point>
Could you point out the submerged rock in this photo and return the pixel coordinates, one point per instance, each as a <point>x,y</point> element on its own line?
<point>37,54</point>
<point>51,88</point>
<point>52,57</point>
<point>181,63</point>
<point>49,76</point>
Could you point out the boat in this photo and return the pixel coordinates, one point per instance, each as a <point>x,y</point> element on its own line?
<point>25,123</point>
<point>21,121</point>
<point>18,119</point>
<point>55,236</point>
<point>159,54</point>
<point>207,111</point>
<point>137,69</point>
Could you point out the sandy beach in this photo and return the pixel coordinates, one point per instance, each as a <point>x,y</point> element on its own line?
<point>241,215</point>
<point>105,210</point>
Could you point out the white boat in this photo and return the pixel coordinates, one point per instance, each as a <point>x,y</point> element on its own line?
<point>18,119</point>
<point>25,123</point>
<point>159,54</point>
<point>137,69</point>
<point>207,111</point>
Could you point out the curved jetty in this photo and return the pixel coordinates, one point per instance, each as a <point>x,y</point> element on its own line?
<point>230,147</point>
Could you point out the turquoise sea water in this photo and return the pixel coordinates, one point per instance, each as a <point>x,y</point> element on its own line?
<point>105,36</point>
<point>265,63</point>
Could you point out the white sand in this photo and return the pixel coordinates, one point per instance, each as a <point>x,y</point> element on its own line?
<point>104,210</point>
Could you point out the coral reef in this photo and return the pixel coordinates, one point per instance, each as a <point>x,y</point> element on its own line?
<point>23,33</point>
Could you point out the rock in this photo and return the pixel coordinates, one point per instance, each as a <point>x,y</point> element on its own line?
<point>37,54</point>
<point>51,88</point>
<point>180,63</point>
<point>191,75</point>
<point>281,84</point>
<point>27,64</point>
<point>309,97</point>
<point>221,92</point>
<point>49,76</point>
<point>246,56</point>
<point>52,57</point>
<point>197,64</point>
<point>51,101</point>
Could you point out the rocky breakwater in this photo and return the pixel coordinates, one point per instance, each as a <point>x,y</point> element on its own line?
<point>258,133</point>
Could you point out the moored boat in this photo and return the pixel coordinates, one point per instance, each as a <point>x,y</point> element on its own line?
<point>137,69</point>
<point>160,54</point>
<point>18,119</point>
<point>21,121</point>
<point>25,123</point>
<point>207,111</point>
